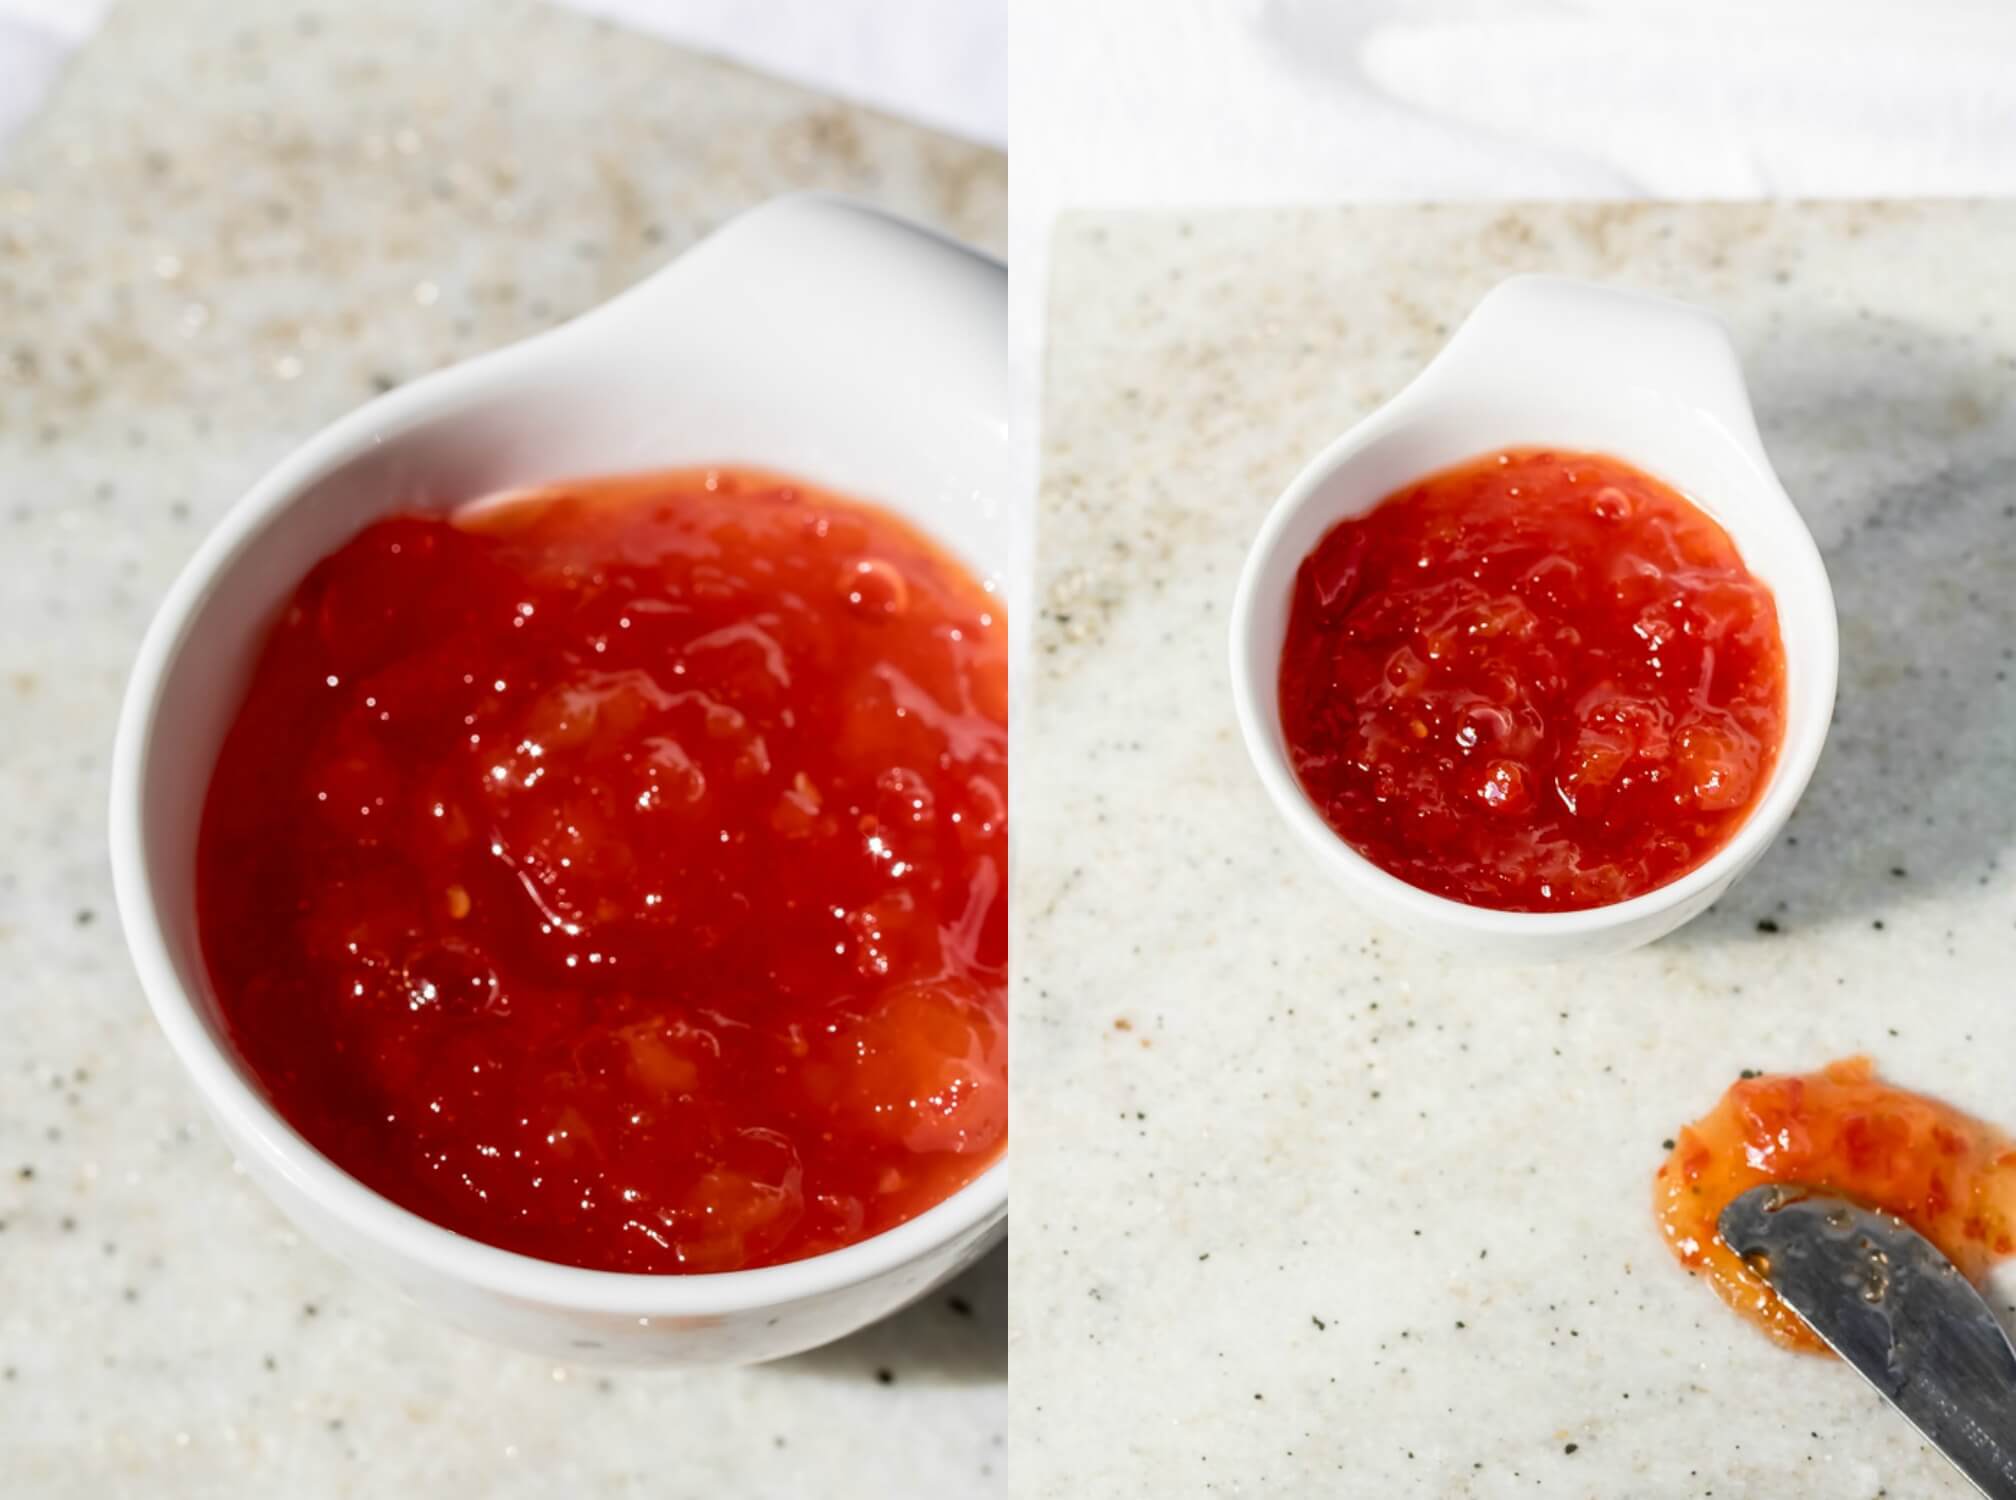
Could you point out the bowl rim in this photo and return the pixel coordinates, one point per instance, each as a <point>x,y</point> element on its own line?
<point>1809,590</point>
<point>252,1124</point>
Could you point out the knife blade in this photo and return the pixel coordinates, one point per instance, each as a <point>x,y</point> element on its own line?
<point>1883,1298</point>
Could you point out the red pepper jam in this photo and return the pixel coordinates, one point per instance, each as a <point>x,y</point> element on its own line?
<point>1537,682</point>
<point>1951,1178</point>
<point>618,875</point>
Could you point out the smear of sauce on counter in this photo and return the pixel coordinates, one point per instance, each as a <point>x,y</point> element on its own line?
<point>1949,1176</point>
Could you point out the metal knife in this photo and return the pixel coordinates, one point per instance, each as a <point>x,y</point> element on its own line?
<point>1886,1301</point>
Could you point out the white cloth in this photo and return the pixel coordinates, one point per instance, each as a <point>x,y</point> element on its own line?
<point>942,63</point>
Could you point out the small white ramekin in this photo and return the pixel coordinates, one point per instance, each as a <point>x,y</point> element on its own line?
<point>811,336</point>
<point>1549,362</point>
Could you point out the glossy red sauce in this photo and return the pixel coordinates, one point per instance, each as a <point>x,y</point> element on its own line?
<point>1537,682</point>
<point>1951,1178</point>
<point>618,876</point>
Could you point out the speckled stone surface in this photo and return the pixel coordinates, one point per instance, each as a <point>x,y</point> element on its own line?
<point>232,224</point>
<point>1301,1210</point>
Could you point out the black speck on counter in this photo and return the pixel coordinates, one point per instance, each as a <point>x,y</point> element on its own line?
<point>309,1309</point>
<point>86,916</point>
<point>885,1376</point>
<point>1666,1145</point>
<point>1571,1447</point>
<point>26,1174</point>
<point>1898,872</point>
<point>960,1306</point>
<point>1320,1324</point>
<point>1749,1073</point>
<point>1768,924</point>
<point>1877,924</point>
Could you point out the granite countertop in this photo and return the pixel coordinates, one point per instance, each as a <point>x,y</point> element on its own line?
<point>1303,1209</point>
<point>230,226</point>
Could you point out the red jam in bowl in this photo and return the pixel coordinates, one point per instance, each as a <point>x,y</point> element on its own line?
<point>617,874</point>
<point>1536,682</point>
<point>1951,1178</point>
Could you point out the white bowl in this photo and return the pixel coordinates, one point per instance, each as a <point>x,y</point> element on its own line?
<point>811,336</point>
<point>1549,362</point>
